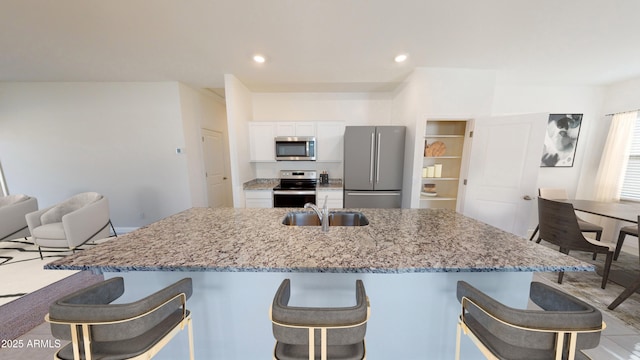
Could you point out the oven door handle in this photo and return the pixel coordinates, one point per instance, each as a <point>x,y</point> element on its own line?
<point>294,192</point>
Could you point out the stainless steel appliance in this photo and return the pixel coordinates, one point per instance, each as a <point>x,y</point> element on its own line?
<point>295,148</point>
<point>373,166</point>
<point>296,188</point>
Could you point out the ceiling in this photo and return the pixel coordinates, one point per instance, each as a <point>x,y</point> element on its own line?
<point>317,45</point>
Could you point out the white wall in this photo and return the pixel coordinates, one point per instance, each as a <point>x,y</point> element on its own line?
<point>199,109</point>
<point>408,108</point>
<point>239,113</point>
<point>457,93</point>
<point>622,96</point>
<point>119,139</point>
<point>438,93</point>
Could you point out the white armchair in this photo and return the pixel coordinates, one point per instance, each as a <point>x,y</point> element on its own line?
<point>13,209</point>
<point>71,223</point>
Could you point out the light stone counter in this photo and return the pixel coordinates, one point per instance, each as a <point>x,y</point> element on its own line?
<point>260,184</point>
<point>255,240</point>
<point>410,261</point>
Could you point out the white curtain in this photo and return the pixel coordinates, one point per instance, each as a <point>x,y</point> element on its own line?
<point>615,157</point>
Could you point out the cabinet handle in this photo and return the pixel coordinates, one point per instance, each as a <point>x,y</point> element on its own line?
<point>378,159</point>
<point>527,197</point>
<point>373,136</point>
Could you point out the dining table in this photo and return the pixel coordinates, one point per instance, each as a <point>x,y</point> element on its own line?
<point>628,212</point>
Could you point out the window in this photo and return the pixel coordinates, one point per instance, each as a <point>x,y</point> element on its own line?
<point>631,185</point>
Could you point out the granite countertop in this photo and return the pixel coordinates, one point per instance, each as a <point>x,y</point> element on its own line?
<point>260,184</point>
<point>255,240</point>
<point>268,184</point>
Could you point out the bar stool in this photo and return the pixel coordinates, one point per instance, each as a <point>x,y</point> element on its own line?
<point>336,333</point>
<point>565,325</point>
<point>137,330</point>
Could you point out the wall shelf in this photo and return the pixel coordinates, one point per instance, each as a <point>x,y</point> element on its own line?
<point>449,136</point>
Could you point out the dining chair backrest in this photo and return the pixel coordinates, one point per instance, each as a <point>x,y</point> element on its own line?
<point>559,225</point>
<point>553,193</point>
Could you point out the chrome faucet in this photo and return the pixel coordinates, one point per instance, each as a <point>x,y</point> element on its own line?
<point>323,214</point>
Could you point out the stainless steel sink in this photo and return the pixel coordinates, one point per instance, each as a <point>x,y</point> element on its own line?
<point>347,218</point>
<point>336,218</point>
<point>301,219</point>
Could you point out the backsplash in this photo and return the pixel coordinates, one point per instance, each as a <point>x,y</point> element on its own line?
<point>272,169</point>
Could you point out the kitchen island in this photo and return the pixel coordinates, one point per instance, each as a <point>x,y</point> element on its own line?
<point>409,260</point>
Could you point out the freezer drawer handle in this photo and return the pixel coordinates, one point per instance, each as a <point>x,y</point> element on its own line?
<point>377,193</point>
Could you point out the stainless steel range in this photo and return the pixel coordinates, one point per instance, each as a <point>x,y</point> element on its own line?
<point>296,188</point>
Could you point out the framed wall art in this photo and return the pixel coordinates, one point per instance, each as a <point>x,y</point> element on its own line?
<point>561,140</point>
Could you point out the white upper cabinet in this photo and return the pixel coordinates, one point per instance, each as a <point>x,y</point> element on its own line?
<point>329,140</point>
<point>261,141</point>
<point>329,135</point>
<point>294,128</point>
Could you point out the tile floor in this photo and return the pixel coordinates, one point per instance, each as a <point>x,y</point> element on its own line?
<point>620,340</point>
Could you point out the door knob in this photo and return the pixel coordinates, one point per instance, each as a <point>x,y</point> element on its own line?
<point>527,197</point>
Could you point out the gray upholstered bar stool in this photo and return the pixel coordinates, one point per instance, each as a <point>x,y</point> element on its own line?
<point>137,330</point>
<point>563,327</point>
<point>319,333</point>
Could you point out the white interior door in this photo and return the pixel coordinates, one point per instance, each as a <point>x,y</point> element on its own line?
<point>503,170</point>
<point>214,159</point>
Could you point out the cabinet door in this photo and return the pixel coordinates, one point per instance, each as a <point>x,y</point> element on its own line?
<point>285,129</point>
<point>334,198</point>
<point>258,198</point>
<point>359,159</point>
<point>307,128</point>
<point>329,140</point>
<point>296,128</point>
<point>389,157</point>
<point>261,141</point>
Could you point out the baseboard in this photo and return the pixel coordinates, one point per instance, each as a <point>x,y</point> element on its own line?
<point>124,230</point>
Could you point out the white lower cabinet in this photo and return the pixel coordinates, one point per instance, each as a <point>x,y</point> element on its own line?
<point>258,199</point>
<point>334,200</point>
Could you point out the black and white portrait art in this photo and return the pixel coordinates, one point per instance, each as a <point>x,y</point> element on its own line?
<point>561,140</point>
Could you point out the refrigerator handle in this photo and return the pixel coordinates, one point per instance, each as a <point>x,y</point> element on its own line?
<point>378,158</point>
<point>372,157</point>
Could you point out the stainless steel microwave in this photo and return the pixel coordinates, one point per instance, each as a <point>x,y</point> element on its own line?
<point>295,148</point>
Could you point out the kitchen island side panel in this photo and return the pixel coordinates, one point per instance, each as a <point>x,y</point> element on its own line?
<point>413,315</point>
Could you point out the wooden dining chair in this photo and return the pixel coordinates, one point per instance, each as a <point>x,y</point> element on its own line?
<point>559,226</point>
<point>631,230</point>
<point>561,194</point>
<point>631,288</point>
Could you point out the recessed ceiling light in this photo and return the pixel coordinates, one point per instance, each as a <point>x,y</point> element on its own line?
<point>259,59</point>
<point>400,58</point>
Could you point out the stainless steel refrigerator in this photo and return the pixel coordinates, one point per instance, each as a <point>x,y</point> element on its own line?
<point>373,166</point>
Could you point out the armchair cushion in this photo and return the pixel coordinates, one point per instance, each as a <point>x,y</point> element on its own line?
<point>53,231</point>
<point>13,211</point>
<point>12,199</point>
<point>55,213</point>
